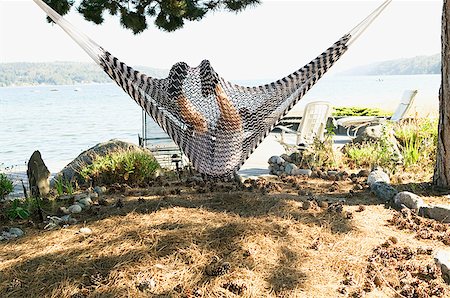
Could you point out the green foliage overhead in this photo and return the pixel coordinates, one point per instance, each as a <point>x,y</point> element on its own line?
<point>168,15</point>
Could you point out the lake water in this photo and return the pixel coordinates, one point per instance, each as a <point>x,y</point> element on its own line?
<point>63,121</point>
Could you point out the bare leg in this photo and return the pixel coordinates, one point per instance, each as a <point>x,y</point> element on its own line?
<point>228,113</point>
<point>191,115</point>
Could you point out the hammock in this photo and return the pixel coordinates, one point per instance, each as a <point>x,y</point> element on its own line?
<point>217,124</point>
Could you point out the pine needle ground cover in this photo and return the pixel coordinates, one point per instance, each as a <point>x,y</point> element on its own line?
<point>220,240</point>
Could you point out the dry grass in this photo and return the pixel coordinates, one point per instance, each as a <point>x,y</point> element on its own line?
<point>161,244</point>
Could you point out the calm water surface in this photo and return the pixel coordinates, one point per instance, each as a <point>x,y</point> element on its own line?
<point>63,121</point>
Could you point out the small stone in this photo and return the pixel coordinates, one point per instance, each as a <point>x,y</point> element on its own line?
<point>86,201</point>
<point>276,160</point>
<point>301,172</point>
<point>332,173</point>
<point>80,196</point>
<point>85,231</point>
<point>289,167</point>
<point>358,187</point>
<point>361,208</point>
<point>377,176</point>
<point>100,189</point>
<point>409,199</point>
<point>75,208</point>
<point>16,231</point>
<point>67,219</point>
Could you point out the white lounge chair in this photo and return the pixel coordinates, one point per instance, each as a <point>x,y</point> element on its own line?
<point>312,125</point>
<point>353,124</point>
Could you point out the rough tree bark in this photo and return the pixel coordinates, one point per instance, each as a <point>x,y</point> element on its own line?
<point>442,169</point>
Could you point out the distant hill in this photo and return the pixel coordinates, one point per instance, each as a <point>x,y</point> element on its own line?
<point>406,66</point>
<point>59,73</point>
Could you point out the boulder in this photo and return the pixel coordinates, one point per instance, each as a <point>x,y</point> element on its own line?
<point>438,212</point>
<point>71,171</point>
<point>383,191</point>
<point>408,199</point>
<point>289,167</point>
<point>38,175</point>
<point>377,176</point>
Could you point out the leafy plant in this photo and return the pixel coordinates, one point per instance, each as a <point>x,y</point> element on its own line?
<point>122,166</point>
<point>372,153</point>
<point>59,186</point>
<point>418,141</point>
<point>6,186</point>
<point>18,209</point>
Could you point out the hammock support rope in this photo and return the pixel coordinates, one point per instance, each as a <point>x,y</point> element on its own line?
<point>217,124</point>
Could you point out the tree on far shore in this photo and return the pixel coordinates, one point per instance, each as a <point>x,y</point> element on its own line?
<point>169,15</point>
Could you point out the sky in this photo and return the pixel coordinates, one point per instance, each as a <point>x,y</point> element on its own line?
<point>268,41</point>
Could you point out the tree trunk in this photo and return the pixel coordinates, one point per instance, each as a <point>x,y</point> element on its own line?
<point>442,169</point>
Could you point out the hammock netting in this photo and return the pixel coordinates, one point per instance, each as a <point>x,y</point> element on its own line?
<point>216,124</point>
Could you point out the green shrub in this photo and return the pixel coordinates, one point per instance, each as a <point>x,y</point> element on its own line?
<point>6,186</point>
<point>369,154</point>
<point>418,141</point>
<point>357,111</point>
<point>133,167</point>
<point>18,209</point>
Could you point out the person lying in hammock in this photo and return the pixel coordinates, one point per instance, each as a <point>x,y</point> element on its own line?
<point>214,147</point>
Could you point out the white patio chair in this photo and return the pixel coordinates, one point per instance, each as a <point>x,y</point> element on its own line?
<point>312,125</point>
<point>354,123</point>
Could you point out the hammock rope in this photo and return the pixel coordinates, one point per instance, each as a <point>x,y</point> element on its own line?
<point>217,124</point>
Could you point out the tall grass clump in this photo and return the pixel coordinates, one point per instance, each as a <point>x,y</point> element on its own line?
<point>373,153</point>
<point>132,167</point>
<point>6,186</point>
<point>418,140</point>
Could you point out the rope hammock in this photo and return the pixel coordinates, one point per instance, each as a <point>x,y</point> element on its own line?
<point>217,124</point>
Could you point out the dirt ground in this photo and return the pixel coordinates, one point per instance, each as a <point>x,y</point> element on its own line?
<point>284,237</point>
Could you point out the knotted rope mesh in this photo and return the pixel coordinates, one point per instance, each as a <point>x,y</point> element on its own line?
<point>217,124</point>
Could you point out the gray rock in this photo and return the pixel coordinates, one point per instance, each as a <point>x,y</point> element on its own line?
<point>16,231</point>
<point>332,173</point>
<point>409,199</point>
<point>298,172</point>
<point>383,191</point>
<point>67,219</point>
<point>442,259</point>
<point>289,167</point>
<point>93,195</point>
<point>75,208</point>
<point>86,201</point>
<point>38,176</point>
<point>72,170</point>
<point>377,176</point>
<point>276,160</point>
<point>100,189</point>
<point>438,212</point>
<point>80,196</point>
